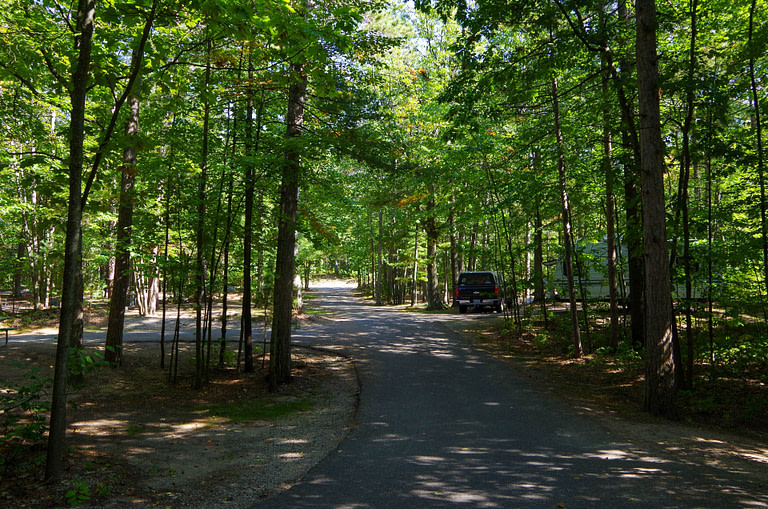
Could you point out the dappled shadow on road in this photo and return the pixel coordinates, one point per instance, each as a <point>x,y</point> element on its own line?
<point>442,424</point>
<point>503,475</point>
<point>508,473</point>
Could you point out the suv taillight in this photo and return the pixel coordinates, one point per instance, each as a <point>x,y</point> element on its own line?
<point>496,290</point>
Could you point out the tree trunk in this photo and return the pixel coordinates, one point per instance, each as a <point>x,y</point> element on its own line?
<point>117,303</point>
<point>138,290</point>
<point>392,273</point>
<point>76,338</point>
<point>373,273</point>
<point>634,227</point>
<point>246,325</point>
<point>165,275</point>
<point>260,238</point>
<point>280,345</point>
<point>566,213</point>
<point>378,279</point>
<point>528,262</point>
<point>454,273</point>
<point>539,292</point>
<point>434,301</point>
<point>447,285</point>
<point>758,126</point>
<point>26,247</point>
<point>660,379</point>
<point>415,276</point>
<point>307,275</point>
<point>610,211</point>
<point>539,284</point>
<point>86,10</point>
<point>201,241</point>
<point>297,284</point>
<point>153,288</point>
<point>685,372</point>
<point>109,269</point>
<point>17,269</point>
<point>472,261</point>
<point>710,233</point>
<point>225,282</point>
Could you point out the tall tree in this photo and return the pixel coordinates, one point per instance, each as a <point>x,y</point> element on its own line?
<point>753,49</point>
<point>280,344</point>
<point>566,219</point>
<point>201,237</point>
<point>117,303</point>
<point>246,325</point>
<point>682,215</point>
<point>434,297</point>
<point>86,11</point>
<point>660,397</point>
<point>610,209</point>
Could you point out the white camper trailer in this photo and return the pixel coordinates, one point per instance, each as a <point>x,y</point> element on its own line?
<point>590,261</point>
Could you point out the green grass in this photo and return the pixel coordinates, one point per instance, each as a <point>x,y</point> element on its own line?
<point>256,410</point>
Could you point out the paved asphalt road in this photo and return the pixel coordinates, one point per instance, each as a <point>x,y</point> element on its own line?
<point>441,424</point>
<point>145,331</point>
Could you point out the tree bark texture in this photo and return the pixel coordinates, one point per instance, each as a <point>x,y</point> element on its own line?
<point>117,303</point>
<point>280,345</point>
<point>634,229</point>
<point>758,126</point>
<point>201,237</point>
<point>610,211</point>
<point>566,213</point>
<point>246,325</point>
<point>86,11</point>
<point>434,300</point>
<point>660,380</point>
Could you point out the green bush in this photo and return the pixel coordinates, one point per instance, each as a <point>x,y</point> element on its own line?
<point>743,355</point>
<point>81,363</point>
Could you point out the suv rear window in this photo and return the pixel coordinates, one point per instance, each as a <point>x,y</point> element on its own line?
<point>476,279</point>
